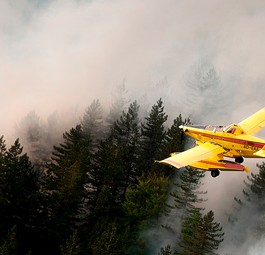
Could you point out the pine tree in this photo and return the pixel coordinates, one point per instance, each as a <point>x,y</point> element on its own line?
<point>72,245</point>
<point>107,242</point>
<point>252,197</point>
<point>10,243</point>
<point>108,238</point>
<point>209,234</point>
<point>200,234</point>
<point>114,166</point>
<point>152,136</point>
<point>64,185</point>
<point>126,134</point>
<point>256,184</point>
<point>186,194</point>
<point>204,91</point>
<point>174,141</point>
<point>184,198</point>
<point>147,201</point>
<point>113,172</point>
<point>119,104</point>
<point>93,124</point>
<point>253,193</point>
<point>19,204</point>
<point>33,136</point>
<point>188,231</point>
<point>18,186</point>
<point>55,128</point>
<point>105,177</point>
<point>143,206</point>
<point>175,138</point>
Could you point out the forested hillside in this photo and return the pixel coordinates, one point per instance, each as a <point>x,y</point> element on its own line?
<point>98,190</point>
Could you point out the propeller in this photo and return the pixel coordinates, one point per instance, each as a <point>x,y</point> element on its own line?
<point>182,134</point>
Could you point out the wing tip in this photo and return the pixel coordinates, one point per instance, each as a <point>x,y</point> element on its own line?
<point>171,163</point>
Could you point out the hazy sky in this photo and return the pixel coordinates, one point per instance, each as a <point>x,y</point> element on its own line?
<point>65,53</point>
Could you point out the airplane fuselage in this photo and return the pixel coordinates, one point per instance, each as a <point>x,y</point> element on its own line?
<point>236,145</point>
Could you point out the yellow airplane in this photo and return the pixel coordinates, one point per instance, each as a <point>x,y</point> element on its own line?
<point>214,143</point>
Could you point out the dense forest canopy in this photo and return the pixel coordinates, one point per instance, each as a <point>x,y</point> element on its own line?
<point>98,191</point>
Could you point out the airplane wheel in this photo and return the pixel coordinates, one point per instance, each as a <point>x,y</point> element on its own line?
<point>215,173</point>
<point>239,160</point>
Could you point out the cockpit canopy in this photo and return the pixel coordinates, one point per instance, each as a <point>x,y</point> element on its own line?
<point>233,129</point>
<point>230,129</point>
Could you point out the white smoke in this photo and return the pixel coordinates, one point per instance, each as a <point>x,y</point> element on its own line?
<point>59,53</point>
<point>258,248</point>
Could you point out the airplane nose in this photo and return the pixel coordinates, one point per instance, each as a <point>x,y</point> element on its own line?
<point>184,128</point>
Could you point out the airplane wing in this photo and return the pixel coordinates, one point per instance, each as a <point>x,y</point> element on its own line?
<point>200,152</point>
<point>254,123</point>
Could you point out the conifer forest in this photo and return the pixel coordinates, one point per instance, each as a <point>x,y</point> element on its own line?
<point>98,191</point>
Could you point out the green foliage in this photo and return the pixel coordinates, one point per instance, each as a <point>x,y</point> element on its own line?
<point>188,233</point>
<point>93,124</point>
<point>147,200</point>
<point>10,244</point>
<point>126,135</point>
<point>107,239</point>
<point>107,242</point>
<point>186,193</point>
<point>143,206</point>
<point>72,246</point>
<point>200,234</point>
<point>256,183</point>
<point>253,193</point>
<point>210,234</point>
<point>114,165</point>
<point>152,135</point>
<point>106,178</point>
<point>253,197</point>
<point>18,187</point>
<point>18,194</point>
<point>106,204</point>
<point>175,139</point>
<point>63,186</point>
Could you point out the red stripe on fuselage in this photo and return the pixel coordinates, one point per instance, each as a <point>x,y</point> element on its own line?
<point>228,139</point>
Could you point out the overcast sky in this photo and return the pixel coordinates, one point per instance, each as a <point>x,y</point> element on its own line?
<point>61,54</point>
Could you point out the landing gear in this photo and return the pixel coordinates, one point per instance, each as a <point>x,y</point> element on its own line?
<point>215,173</point>
<point>239,160</point>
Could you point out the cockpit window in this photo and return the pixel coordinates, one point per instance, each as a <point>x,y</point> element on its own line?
<point>231,131</point>
<point>226,128</point>
<point>214,128</point>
